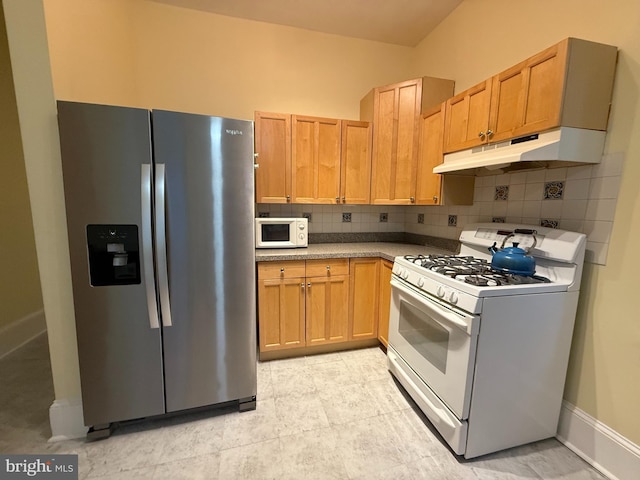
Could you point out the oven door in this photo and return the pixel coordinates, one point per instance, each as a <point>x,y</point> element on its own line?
<point>438,342</point>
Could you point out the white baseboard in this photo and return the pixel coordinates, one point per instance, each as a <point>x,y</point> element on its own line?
<point>66,420</point>
<point>608,451</point>
<point>21,331</point>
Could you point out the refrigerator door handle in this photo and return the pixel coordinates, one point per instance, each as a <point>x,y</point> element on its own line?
<point>161,246</point>
<point>147,245</point>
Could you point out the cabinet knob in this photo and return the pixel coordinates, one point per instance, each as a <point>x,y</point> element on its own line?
<point>328,267</point>
<point>282,270</point>
<point>435,199</point>
<point>489,133</point>
<point>337,199</point>
<point>412,199</point>
<point>309,284</point>
<point>288,198</point>
<point>344,199</point>
<point>481,134</point>
<point>302,285</point>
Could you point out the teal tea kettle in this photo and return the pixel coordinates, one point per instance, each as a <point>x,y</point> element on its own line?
<point>514,260</point>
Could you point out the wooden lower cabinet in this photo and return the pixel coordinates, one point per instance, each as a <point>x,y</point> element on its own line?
<point>384,301</point>
<point>281,308</point>
<point>327,298</point>
<point>337,303</point>
<point>363,305</point>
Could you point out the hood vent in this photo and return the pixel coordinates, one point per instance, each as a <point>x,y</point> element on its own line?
<point>562,147</point>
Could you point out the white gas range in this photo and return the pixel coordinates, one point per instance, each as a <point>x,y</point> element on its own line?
<point>484,353</point>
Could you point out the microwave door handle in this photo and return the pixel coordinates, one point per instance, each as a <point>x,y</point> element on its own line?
<point>147,245</point>
<point>161,246</point>
<point>442,314</point>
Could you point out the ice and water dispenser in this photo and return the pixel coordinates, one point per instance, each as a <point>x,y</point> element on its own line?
<point>114,254</point>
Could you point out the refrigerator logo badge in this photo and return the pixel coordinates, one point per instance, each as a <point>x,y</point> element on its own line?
<point>233,132</point>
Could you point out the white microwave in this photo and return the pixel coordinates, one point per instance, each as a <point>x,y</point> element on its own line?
<point>281,232</point>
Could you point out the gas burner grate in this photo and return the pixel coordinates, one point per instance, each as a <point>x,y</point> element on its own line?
<point>471,270</point>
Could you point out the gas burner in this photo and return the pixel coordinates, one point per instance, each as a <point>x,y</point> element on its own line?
<point>465,264</point>
<point>482,280</point>
<point>526,280</point>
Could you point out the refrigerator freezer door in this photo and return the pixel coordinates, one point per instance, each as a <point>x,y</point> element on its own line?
<point>210,347</point>
<point>120,352</point>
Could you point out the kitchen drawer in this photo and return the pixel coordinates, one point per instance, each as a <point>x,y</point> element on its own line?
<point>288,269</point>
<point>327,267</point>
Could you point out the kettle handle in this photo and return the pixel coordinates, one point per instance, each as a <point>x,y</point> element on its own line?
<point>528,231</point>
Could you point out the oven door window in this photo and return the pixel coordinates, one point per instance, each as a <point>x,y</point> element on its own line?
<point>275,232</point>
<point>427,337</point>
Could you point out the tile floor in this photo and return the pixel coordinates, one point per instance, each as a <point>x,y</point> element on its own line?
<point>334,416</point>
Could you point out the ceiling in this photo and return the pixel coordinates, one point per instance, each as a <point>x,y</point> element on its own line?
<point>400,22</point>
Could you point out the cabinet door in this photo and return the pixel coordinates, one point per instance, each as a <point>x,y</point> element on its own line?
<point>395,142</point>
<point>363,302</point>
<point>281,313</point>
<point>384,302</point>
<point>467,118</point>
<point>315,159</point>
<point>273,146</point>
<point>527,98</point>
<point>327,300</point>
<point>355,165</point>
<point>428,184</point>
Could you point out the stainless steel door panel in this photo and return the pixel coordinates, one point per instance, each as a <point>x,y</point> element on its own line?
<point>210,348</point>
<point>120,354</point>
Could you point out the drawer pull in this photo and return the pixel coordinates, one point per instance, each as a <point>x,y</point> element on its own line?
<point>282,270</point>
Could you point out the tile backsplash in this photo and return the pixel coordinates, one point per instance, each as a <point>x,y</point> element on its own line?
<point>581,199</point>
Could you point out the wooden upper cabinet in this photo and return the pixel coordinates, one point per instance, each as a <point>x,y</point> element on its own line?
<point>395,112</point>
<point>355,165</point>
<point>569,84</point>
<point>315,171</point>
<point>273,149</point>
<point>395,142</point>
<point>428,184</point>
<point>467,118</point>
<point>527,97</point>
<point>433,188</point>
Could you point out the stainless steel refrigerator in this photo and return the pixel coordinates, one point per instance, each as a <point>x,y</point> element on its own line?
<point>160,217</point>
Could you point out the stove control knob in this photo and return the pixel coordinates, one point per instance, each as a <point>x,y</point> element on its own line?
<point>421,282</point>
<point>440,292</point>
<point>405,273</point>
<point>453,297</point>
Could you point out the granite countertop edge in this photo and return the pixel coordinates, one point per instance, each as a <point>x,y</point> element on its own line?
<point>386,250</point>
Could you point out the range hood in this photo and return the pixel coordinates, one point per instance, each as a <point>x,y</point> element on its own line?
<point>561,147</point>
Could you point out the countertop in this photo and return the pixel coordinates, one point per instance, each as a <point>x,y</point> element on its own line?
<point>386,250</point>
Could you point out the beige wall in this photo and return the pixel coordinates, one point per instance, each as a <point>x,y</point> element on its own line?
<point>92,59</point>
<point>26,33</point>
<point>19,283</point>
<point>153,55</point>
<point>482,37</point>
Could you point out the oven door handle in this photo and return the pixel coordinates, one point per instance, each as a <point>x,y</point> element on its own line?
<point>442,313</point>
